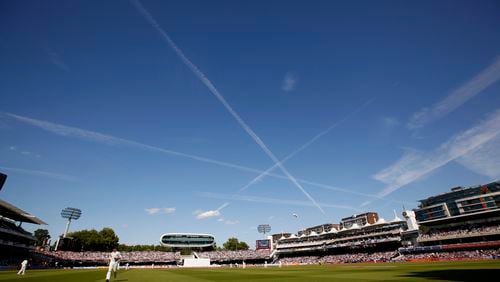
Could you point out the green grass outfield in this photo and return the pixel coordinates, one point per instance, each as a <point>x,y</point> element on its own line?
<point>436,271</point>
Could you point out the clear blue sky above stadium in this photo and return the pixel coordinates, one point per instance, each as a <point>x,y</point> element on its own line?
<point>117,108</point>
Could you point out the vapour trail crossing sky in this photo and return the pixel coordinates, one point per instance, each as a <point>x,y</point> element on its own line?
<point>370,107</point>
<point>303,147</point>
<point>106,139</point>
<point>226,105</point>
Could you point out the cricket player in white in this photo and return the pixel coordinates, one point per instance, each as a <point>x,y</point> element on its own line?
<point>23,267</point>
<point>114,262</point>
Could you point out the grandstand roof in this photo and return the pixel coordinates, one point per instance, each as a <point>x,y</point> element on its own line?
<point>17,214</point>
<point>443,197</point>
<point>380,221</point>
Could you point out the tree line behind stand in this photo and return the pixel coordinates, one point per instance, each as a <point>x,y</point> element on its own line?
<point>233,244</point>
<point>92,240</point>
<point>106,240</point>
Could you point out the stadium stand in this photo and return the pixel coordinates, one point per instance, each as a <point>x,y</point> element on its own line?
<point>366,231</point>
<point>66,258</point>
<point>392,256</point>
<point>465,218</point>
<point>341,258</point>
<point>463,224</point>
<point>15,242</point>
<point>452,255</point>
<point>250,256</point>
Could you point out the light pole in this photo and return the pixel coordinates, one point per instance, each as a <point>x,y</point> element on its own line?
<point>70,214</point>
<point>264,228</point>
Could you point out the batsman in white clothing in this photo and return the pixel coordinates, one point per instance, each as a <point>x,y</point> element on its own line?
<point>114,262</point>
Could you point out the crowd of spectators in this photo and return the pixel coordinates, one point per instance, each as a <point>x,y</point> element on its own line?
<point>339,243</point>
<point>158,256</point>
<point>391,256</point>
<point>360,257</point>
<point>147,257</point>
<point>455,255</point>
<point>150,256</point>
<point>300,260</point>
<point>352,237</point>
<point>8,261</point>
<point>465,231</point>
<point>236,255</point>
<point>341,258</point>
<point>103,257</point>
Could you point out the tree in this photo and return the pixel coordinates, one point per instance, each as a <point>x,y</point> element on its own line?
<point>109,239</point>
<point>41,235</point>
<point>131,248</point>
<point>232,244</point>
<point>243,246</point>
<point>92,240</point>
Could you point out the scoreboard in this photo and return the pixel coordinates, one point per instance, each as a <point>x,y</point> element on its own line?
<point>263,245</point>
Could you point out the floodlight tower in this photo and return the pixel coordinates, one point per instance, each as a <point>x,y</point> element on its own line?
<point>70,214</point>
<point>264,228</point>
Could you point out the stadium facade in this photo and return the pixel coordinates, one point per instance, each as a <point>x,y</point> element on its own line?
<point>187,240</point>
<point>462,219</point>
<point>460,203</point>
<point>15,242</point>
<point>364,232</point>
<point>463,223</point>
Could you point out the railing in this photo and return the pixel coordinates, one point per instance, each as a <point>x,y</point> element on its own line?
<point>458,236</point>
<point>337,240</point>
<point>17,233</point>
<point>333,244</point>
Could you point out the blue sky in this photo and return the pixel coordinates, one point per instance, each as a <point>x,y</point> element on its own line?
<point>151,116</point>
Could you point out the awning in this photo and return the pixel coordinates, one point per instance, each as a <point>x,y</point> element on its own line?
<point>17,214</point>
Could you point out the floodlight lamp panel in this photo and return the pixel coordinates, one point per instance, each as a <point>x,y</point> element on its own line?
<point>264,228</point>
<point>71,213</point>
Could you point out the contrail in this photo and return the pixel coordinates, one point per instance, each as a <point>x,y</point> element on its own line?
<point>79,133</point>
<point>83,134</point>
<point>268,200</point>
<point>305,145</point>
<point>413,166</point>
<point>222,206</point>
<point>201,76</point>
<point>457,97</point>
<point>39,173</point>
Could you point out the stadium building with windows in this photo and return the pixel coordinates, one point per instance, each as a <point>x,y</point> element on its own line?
<point>188,241</point>
<point>365,232</point>
<point>464,218</point>
<point>15,242</point>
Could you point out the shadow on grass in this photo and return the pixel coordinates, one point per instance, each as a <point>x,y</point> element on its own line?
<point>460,275</point>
